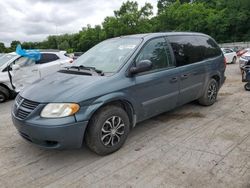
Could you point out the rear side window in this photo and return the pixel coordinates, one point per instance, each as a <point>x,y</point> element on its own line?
<point>157,51</point>
<point>209,47</point>
<point>186,49</point>
<point>192,49</point>
<point>227,51</point>
<point>47,57</point>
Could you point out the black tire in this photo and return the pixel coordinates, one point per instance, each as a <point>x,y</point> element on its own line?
<point>210,94</point>
<point>234,60</point>
<point>247,86</point>
<point>100,137</point>
<point>4,94</point>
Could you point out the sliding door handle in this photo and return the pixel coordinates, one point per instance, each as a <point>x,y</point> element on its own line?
<point>173,80</point>
<point>184,76</point>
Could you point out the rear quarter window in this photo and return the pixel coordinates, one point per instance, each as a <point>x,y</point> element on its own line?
<point>191,49</point>
<point>209,47</point>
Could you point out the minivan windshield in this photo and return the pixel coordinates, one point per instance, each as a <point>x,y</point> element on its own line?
<point>108,56</point>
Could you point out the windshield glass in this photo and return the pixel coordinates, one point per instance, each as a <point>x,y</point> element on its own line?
<point>5,58</point>
<point>108,55</point>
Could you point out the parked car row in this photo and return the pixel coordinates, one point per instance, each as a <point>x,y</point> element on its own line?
<point>17,71</point>
<point>115,85</point>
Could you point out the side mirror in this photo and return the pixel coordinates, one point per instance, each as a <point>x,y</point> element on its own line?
<point>142,66</point>
<point>15,67</point>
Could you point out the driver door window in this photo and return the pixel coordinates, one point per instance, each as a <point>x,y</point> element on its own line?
<point>25,62</point>
<point>157,52</point>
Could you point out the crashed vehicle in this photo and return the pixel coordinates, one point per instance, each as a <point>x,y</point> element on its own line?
<point>18,70</point>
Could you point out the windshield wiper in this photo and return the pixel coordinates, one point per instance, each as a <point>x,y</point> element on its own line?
<point>81,67</point>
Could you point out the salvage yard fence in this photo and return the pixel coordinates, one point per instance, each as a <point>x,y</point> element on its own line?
<point>235,44</point>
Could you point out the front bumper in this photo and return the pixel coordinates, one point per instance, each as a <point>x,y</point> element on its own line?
<point>67,136</point>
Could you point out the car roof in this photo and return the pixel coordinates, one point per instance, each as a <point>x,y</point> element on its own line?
<point>152,35</point>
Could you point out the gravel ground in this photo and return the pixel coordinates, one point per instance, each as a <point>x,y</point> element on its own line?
<point>192,146</point>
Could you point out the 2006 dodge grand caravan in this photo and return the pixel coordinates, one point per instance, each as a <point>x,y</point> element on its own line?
<point>116,84</point>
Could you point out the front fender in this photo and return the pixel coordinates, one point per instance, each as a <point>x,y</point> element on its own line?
<point>89,108</point>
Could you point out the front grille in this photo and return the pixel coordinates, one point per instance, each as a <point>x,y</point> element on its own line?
<point>24,107</point>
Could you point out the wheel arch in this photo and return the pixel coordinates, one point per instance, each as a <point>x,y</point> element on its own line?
<point>217,78</point>
<point>6,87</point>
<point>116,99</point>
<point>125,105</point>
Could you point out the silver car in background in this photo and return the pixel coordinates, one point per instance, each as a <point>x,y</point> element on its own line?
<point>244,59</point>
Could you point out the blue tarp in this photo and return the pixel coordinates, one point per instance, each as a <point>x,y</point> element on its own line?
<point>32,54</point>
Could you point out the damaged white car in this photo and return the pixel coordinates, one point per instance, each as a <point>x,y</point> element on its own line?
<point>17,71</point>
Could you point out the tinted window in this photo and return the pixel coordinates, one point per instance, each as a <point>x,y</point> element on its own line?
<point>186,49</point>
<point>157,52</point>
<point>209,47</point>
<point>46,58</point>
<point>192,49</point>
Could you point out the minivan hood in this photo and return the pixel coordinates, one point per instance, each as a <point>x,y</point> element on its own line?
<point>61,87</point>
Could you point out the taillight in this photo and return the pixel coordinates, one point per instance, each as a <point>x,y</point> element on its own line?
<point>225,61</point>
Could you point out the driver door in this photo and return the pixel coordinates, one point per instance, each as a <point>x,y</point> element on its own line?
<point>24,72</point>
<point>156,90</point>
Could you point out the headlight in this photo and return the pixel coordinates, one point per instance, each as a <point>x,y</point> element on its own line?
<point>58,110</point>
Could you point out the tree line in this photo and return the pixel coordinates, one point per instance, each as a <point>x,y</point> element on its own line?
<point>224,20</point>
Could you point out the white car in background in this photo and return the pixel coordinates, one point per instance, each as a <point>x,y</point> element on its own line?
<point>16,71</point>
<point>230,55</point>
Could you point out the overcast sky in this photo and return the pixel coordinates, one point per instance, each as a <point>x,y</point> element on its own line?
<point>34,20</point>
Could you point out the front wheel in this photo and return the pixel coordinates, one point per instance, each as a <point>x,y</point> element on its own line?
<point>107,130</point>
<point>4,94</point>
<point>210,95</point>
<point>247,86</point>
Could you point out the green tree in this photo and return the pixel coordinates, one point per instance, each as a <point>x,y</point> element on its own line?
<point>14,44</point>
<point>129,19</point>
<point>2,48</point>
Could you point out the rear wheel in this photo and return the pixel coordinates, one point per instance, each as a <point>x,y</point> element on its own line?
<point>107,130</point>
<point>210,95</point>
<point>247,86</point>
<point>234,60</point>
<point>4,94</point>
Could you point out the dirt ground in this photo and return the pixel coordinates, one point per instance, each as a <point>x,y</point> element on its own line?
<point>192,146</point>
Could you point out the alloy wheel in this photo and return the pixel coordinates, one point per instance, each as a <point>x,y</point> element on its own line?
<point>212,92</point>
<point>112,130</point>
